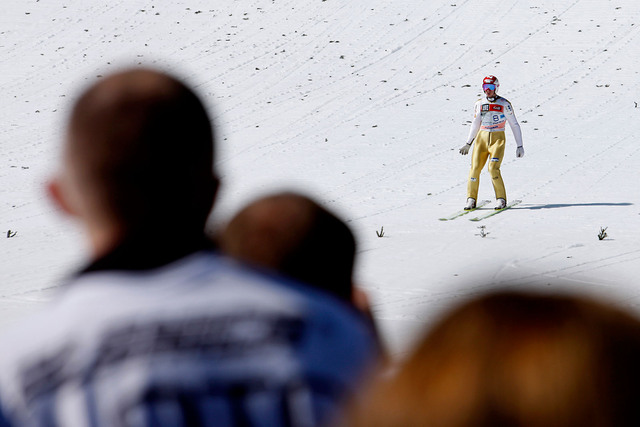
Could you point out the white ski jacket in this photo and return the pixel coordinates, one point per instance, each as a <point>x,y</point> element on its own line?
<point>492,116</point>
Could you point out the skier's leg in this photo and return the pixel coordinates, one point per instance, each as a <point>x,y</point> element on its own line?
<point>478,159</point>
<point>496,151</point>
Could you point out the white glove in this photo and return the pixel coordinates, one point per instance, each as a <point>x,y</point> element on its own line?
<point>520,151</point>
<point>465,149</point>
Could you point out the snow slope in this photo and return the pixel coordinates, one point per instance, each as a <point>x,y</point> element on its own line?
<point>362,104</point>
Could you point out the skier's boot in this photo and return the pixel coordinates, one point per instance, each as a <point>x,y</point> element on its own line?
<point>471,204</point>
<point>500,204</point>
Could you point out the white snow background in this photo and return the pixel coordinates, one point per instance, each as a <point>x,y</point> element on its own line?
<point>362,104</point>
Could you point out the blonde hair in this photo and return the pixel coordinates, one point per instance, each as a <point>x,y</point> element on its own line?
<point>516,359</point>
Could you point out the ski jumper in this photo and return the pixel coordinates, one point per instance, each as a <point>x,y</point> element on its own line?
<point>487,129</point>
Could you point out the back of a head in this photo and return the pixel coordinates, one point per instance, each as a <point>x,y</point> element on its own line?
<point>292,234</point>
<point>141,146</point>
<point>517,359</point>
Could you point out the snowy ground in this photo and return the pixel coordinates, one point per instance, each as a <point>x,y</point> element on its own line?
<point>362,104</point>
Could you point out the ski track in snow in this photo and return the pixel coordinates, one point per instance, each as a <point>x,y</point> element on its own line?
<point>363,104</point>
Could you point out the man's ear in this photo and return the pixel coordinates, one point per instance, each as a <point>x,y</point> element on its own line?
<point>56,193</point>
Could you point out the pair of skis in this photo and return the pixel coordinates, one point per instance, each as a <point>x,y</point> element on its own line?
<point>483,215</point>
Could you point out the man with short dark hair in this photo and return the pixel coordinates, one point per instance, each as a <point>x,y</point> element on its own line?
<point>159,329</point>
<point>293,235</point>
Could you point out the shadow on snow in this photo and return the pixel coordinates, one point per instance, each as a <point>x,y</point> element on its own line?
<point>570,205</point>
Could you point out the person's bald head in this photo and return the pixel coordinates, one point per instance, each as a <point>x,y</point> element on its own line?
<point>139,151</point>
<point>292,234</point>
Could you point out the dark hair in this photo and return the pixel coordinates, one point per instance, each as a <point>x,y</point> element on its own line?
<point>142,143</point>
<point>294,235</point>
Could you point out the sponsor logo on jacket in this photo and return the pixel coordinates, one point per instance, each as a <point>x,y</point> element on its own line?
<point>492,107</point>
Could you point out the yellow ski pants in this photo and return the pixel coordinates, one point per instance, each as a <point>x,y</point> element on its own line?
<point>488,145</point>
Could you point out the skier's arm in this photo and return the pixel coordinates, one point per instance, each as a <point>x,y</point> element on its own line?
<point>475,124</point>
<point>475,127</point>
<point>513,123</point>
<point>515,128</point>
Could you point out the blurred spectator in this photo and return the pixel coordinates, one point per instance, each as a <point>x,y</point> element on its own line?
<point>293,235</point>
<point>516,359</point>
<point>159,329</point>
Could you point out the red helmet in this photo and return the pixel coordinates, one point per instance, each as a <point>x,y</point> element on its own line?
<point>491,80</point>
